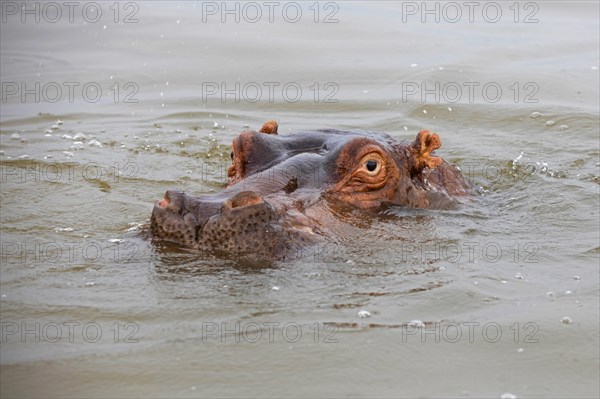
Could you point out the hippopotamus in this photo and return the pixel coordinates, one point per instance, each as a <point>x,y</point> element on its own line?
<point>281,189</point>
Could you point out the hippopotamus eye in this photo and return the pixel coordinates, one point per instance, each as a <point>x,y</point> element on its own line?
<point>372,166</point>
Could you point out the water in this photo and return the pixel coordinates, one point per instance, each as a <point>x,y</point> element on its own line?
<point>496,299</point>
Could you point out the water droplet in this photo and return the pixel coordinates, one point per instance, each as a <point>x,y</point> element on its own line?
<point>116,240</point>
<point>568,292</point>
<point>90,284</point>
<point>450,109</point>
<point>275,288</point>
<point>55,127</point>
<point>15,136</point>
<point>508,395</point>
<point>95,143</point>
<point>63,229</point>
<point>59,122</point>
<point>535,115</point>
<point>80,136</point>
<point>550,123</point>
<point>416,323</point>
<point>424,111</point>
<point>566,320</point>
<point>363,314</point>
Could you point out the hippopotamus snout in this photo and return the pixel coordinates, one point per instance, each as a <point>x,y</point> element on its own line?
<point>172,220</point>
<point>241,223</point>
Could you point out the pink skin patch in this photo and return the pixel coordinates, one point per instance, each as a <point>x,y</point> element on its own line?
<point>163,203</point>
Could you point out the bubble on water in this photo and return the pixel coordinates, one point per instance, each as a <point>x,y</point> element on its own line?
<point>405,127</point>
<point>90,284</point>
<point>503,281</point>
<point>424,111</point>
<point>67,136</point>
<point>576,278</point>
<point>215,124</point>
<point>414,65</point>
<point>450,109</point>
<point>55,127</point>
<point>520,350</point>
<point>416,323</point>
<point>48,131</point>
<point>63,229</point>
<point>68,154</point>
<point>508,395</point>
<point>568,292</point>
<point>15,136</point>
<point>563,127</point>
<point>59,122</point>
<point>551,295</point>
<point>24,156</point>
<point>116,240</point>
<point>535,115</point>
<point>95,143</point>
<point>519,276</point>
<point>24,141</point>
<point>441,268</point>
<point>365,91</point>
<point>363,314</point>
<point>566,320</point>
<point>47,135</point>
<point>275,288</point>
<point>80,136</point>
<point>550,123</point>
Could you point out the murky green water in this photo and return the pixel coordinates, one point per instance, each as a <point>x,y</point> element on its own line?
<point>100,118</point>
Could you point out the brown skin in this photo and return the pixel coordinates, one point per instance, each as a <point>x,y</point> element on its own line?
<point>277,186</point>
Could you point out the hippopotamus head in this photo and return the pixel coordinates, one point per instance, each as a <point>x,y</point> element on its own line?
<point>280,186</point>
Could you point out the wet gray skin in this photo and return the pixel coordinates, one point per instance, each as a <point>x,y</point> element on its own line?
<point>281,199</point>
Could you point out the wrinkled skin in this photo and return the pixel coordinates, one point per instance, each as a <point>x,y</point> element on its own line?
<point>278,185</point>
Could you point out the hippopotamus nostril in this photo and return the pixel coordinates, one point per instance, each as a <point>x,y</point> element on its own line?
<point>173,201</point>
<point>242,199</point>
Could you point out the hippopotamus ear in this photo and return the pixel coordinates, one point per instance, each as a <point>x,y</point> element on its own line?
<point>269,127</point>
<point>421,149</point>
